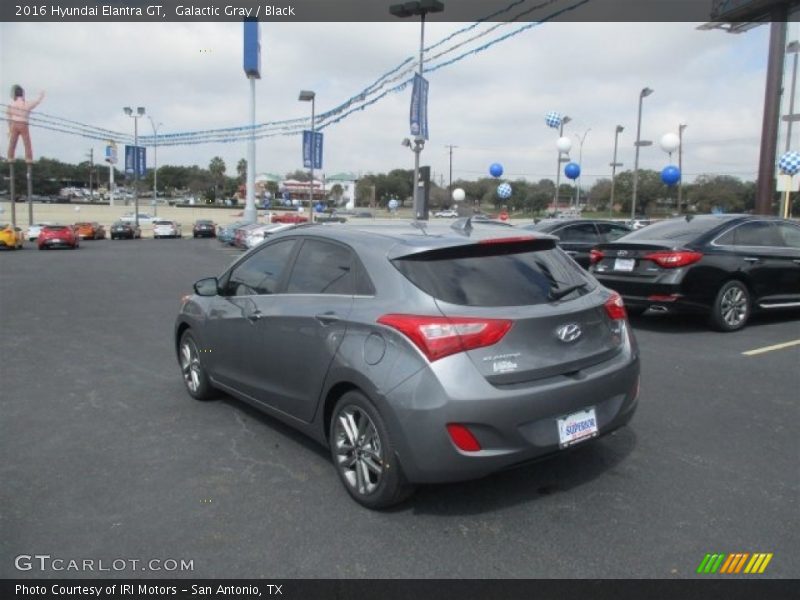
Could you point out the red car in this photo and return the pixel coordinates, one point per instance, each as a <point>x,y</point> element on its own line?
<point>58,236</point>
<point>289,218</point>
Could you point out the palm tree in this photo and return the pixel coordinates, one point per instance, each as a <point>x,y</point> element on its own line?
<point>217,169</point>
<point>241,169</point>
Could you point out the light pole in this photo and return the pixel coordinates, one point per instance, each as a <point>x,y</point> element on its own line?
<point>614,164</point>
<point>681,127</point>
<point>450,186</point>
<point>416,149</point>
<point>580,162</point>
<point>639,143</point>
<point>564,121</point>
<point>155,163</point>
<point>135,116</point>
<point>309,96</point>
<point>410,9</point>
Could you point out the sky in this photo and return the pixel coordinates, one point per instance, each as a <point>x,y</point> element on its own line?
<point>491,105</point>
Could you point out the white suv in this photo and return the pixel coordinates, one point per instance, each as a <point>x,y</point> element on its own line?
<point>166,229</point>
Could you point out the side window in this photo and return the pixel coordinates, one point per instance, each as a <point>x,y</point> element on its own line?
<point>260,273</point>
<point>790,235</point>
<point>755,233</point>
<point>610,232</point>
<point>322,268</point>
<point>581,232</point>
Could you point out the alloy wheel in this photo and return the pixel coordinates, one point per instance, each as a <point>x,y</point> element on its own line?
<point>733,306</point>
<point>190,365</point>
<point>358,450</point>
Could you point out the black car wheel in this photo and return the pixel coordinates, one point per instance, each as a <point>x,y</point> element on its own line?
<point>194,375</point>
<point>731,308</point>
<point>364,455</point>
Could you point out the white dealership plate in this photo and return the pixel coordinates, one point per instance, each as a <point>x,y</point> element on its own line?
<point>577,427</point>
<point>624,264</point>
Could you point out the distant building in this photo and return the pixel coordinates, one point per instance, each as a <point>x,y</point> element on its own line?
<point>348,182</point>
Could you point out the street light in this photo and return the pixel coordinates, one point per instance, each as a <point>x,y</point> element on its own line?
<point>639,142</point>
<point>416,148</point>
<point>580,162</point>
<point>155,163</point>
<point>681,127</point>
<point>309,96</point>
<point>614,164</point>
<point>135,116</point>
<point>411,9</point>
<point>564,121</point>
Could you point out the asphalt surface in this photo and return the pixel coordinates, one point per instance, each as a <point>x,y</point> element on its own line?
<point>105,456</point>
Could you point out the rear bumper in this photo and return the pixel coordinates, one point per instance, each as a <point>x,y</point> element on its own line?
<point>667,293</point>
<point>513,425</point>
<point>58,244</point>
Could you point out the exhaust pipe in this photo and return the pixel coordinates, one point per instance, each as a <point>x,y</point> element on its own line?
<point>659,308</point>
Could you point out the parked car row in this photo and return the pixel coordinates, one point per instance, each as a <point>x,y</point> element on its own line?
<point>11,237</point>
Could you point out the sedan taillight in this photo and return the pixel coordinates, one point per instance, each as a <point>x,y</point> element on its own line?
<point>595,255</point>
<point>673,259</point>
<point>437,337</point>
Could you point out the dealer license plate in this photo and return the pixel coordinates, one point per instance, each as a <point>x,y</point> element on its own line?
<point>577,427</point>
<point>624,264</point>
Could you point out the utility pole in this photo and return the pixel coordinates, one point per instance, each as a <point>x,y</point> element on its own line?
<point>681,127</point>
<point>450,187</point>
<point>91,168</point>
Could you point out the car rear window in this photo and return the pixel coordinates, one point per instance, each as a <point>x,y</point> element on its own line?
<point>503,274</point>
<point>675,229</point>
<point>56,227</point>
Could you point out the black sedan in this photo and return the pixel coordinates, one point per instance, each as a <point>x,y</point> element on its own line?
<point>725,266</point>
<point>123,229</point>
<point>204,228</point>
<point>577,237</point>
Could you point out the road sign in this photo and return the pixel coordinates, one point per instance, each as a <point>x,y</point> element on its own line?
<point>419,108</point>
<point>310,148</point>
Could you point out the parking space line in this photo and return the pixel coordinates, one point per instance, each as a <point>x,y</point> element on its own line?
<point>765,349</point>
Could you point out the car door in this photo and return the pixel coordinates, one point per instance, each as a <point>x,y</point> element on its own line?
<point>789,256</point>
<point>756,247</point>
<point>577,239</point>
<point>303,327</point>
<point>233,317</point>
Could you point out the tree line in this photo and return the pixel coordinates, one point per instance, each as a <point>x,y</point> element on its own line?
<point>214,183</point>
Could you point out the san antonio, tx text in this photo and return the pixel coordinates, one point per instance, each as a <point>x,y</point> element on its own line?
<point>58,589</point>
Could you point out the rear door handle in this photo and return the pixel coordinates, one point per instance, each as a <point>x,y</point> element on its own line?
<point>327,318</point>
<point>254,316</point>
<point>796,260</point>
<point>751,259</point>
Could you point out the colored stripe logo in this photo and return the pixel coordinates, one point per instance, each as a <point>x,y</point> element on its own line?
<point>735,563</point>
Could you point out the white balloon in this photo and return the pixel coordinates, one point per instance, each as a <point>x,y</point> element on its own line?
<point>564,144</point>
<point>459,195</point>
<point>670,142</point>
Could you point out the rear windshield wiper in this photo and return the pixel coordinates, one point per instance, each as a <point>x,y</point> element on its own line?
<point>558,293</point>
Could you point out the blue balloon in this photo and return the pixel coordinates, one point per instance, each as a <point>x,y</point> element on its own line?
<point>496,170</point>
<point>319,207</point>
<point>504,191</point>
<point>572,170</point>
<point>671,175</point>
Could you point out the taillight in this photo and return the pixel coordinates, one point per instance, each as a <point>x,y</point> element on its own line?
<point>673,259</point>
<point>615,307</point>
<point>595,256</point>
<point>438,337</point>
<point>463,438</point>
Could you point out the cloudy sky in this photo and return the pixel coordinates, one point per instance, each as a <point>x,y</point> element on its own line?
<point>491,105</point>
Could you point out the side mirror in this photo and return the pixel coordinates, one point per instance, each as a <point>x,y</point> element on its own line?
<point>207,287</point>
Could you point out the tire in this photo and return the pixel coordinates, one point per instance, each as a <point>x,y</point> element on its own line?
<point>194,374</point>
<point>364,455</point>
<point>732,307</point>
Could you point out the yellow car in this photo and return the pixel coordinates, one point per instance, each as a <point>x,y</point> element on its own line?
<point>11,237</point>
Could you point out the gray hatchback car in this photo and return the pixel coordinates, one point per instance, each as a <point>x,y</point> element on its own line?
<point>416,356</point>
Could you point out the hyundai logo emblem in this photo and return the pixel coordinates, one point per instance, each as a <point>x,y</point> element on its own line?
<point>569,332</point>
<point>622,253</point>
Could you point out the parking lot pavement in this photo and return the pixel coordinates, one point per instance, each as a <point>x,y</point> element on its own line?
<point>107,457</point>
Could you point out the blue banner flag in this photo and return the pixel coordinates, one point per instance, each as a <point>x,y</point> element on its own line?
<point>135,160</point>
<point>312,148</point>
<point>419,108</point>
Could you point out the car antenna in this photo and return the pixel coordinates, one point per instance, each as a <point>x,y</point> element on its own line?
<point>463,226</point>
<point>421,225</point>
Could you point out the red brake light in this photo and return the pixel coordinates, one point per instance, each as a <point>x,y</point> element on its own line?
<point>615,307</point>
<point>438,337</point>
<point>595,256</point>
<point>672,260</point>
<point>463,438</point>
